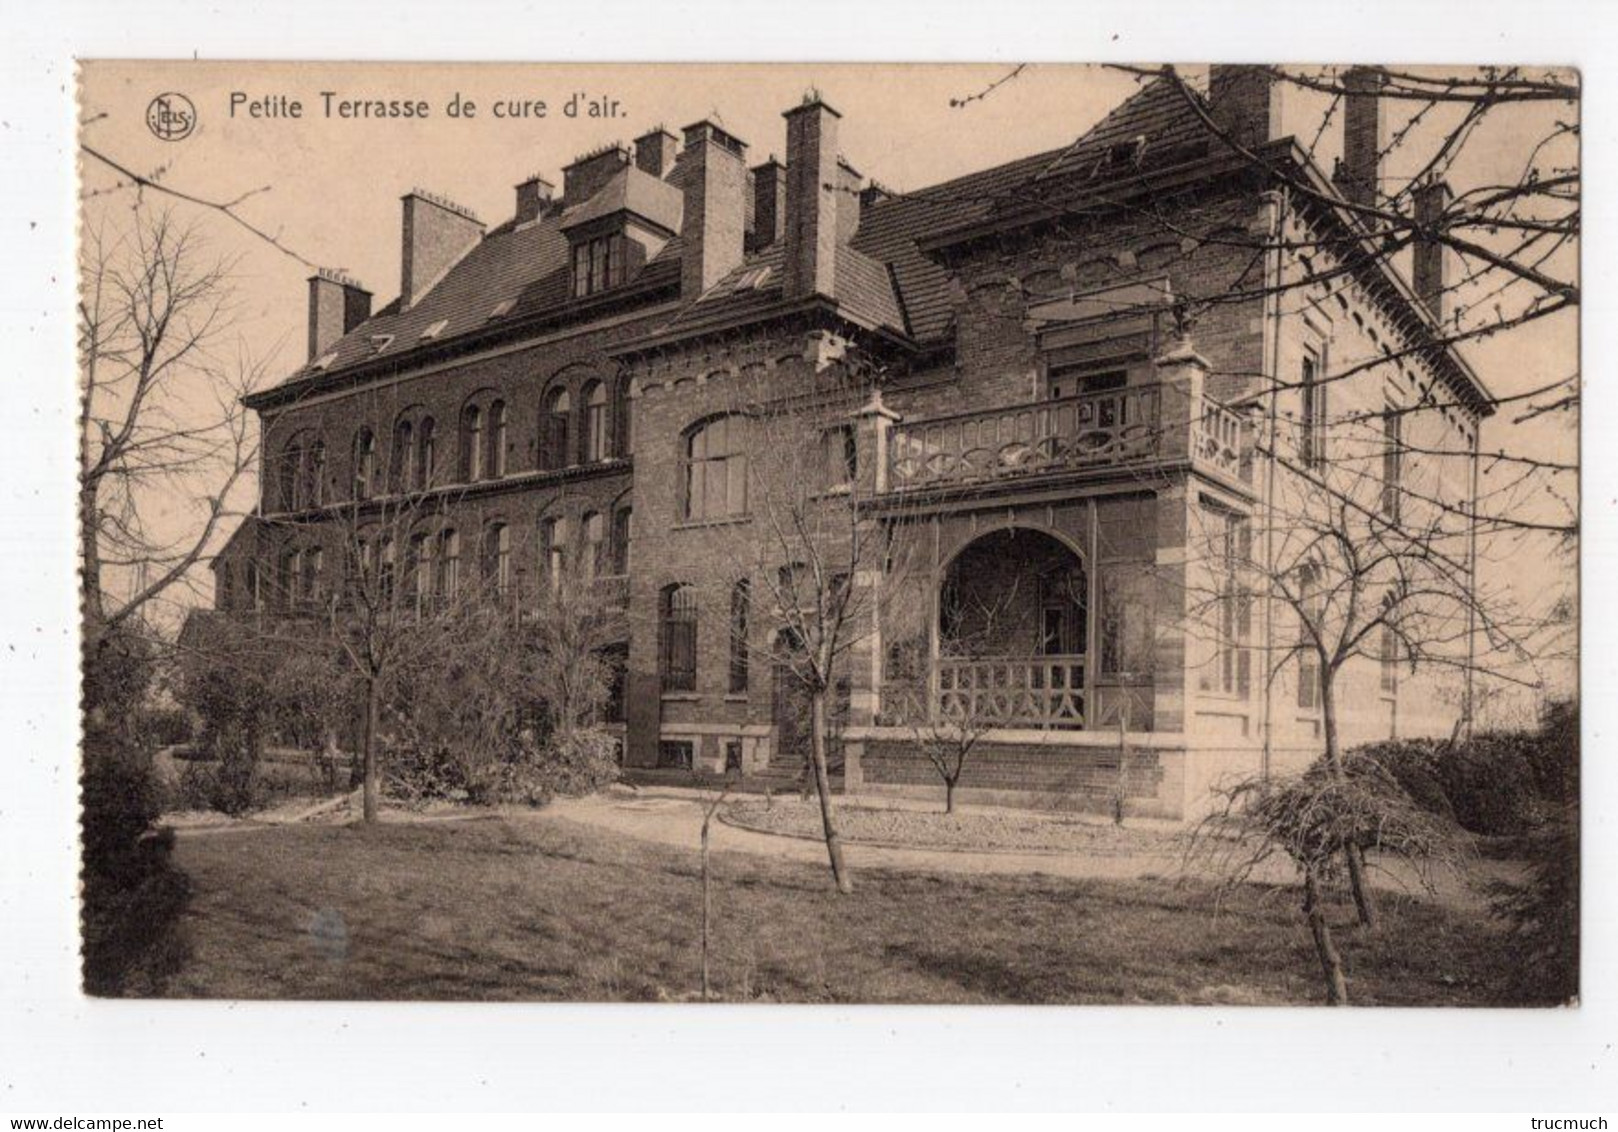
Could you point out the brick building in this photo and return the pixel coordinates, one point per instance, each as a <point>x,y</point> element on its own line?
<point>1031,407</point>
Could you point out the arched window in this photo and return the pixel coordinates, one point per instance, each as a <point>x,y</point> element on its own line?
<point>595,422</point>
<point>253,601</point>
<point>317,474</point>
<point>554,431</point>
<point>716,469</point>
<point>553,550</point>
<point>497,439</point>
<point>623,428</point>
<point>449,564</point>
<point>497,558</point>
<point>622,532</point>
<point>425,454</point>
<point>364,464</point>
<point>401,469</point>
<point>677,638</point>
<point>595,545</point>
<point>471,444</point>
<point>740,603</point>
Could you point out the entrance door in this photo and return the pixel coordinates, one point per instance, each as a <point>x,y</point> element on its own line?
<point>792,710</point>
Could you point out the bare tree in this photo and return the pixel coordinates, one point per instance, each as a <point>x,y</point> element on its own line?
<point>818,562</point>
<point>159,411</point>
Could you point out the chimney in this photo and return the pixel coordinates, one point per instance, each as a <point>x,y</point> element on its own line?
<point>654,152</point>
<point>849,202</point>
<point>714,168</point>
<point>811,200</point>
<point>1360,171</point>
<point>337,304</point>
<point>437,233</point>
<point>1244,100</point>
<point>1429,264</point>
<point>533,196</point>
<point>769,201</point>
<point>590,172</point>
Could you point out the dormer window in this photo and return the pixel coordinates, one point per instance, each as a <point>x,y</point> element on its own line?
<point>380,342</point>
<point>597,265</point>
<point>434,330</point>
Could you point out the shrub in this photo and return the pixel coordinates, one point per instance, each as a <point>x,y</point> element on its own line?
<point>1543,912</point>
<point>133,893</point>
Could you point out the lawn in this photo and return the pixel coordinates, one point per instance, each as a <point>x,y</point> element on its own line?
<point>538,908</point>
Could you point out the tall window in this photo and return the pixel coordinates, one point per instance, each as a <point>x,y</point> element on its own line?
<point>497,558</point>
<point>595,265</point>
<point>290,476</point>
<point>425,454</point>
<point>622,532</point>
<point>449,564</point>
<point>622,423</point>
<point>1389,679</point>
<point>553,550</point>
<point>838,464</point>
<point>471,444</point>
<point>595,422</point>
<point>1312,434</point>
<point>386,567</point>
<point>419,564</point>
<point>716,469</point>
<point>401,468</point>
<point>677,638</point>
<point>553,431</point>
<point>1230,548</point>
<point>1311,610</point>
<point>291,579</point>
<point>313,573</point>
<point>364,464</point>
<point>595,545</point>
<point>497,439</point>
<point>317,474</point>
<point>740,600</point>
<point>1392,450</point>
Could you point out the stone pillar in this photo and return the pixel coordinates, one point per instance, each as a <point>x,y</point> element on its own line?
<point>1182,374</point>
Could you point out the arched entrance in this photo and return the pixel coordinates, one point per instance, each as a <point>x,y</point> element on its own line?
<point>1012,633</point>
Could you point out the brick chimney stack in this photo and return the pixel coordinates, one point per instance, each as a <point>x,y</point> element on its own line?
<point>1244,101</point>
<point>1359,174</point>
<point>655,152</point>
<point>812,200</point>
<point>533,197</point>
<point>1430,258</point>
<point>436,233</point>
<point>337,304</point>
<point>590,172</point>
<point>769,201</point>
<point>714,227</point>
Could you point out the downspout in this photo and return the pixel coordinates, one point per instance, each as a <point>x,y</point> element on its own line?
<point>1277,202</point>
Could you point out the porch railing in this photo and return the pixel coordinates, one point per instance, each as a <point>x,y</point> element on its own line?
<point>1090,430</point>
<point>1037,692</point>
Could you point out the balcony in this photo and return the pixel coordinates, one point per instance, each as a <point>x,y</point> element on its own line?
<point>1132,428</point>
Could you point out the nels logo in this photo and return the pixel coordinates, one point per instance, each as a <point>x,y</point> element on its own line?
<point>171,116</point>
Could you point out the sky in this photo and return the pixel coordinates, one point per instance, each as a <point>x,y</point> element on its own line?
<point>327,188</point>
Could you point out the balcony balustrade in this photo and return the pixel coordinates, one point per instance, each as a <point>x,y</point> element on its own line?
<point>1120,428</point>
<point>1010,692</point>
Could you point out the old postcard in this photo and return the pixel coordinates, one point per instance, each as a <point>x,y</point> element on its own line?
<point>830,533</point>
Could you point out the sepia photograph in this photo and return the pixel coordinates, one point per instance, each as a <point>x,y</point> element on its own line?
<point>830,533</point>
